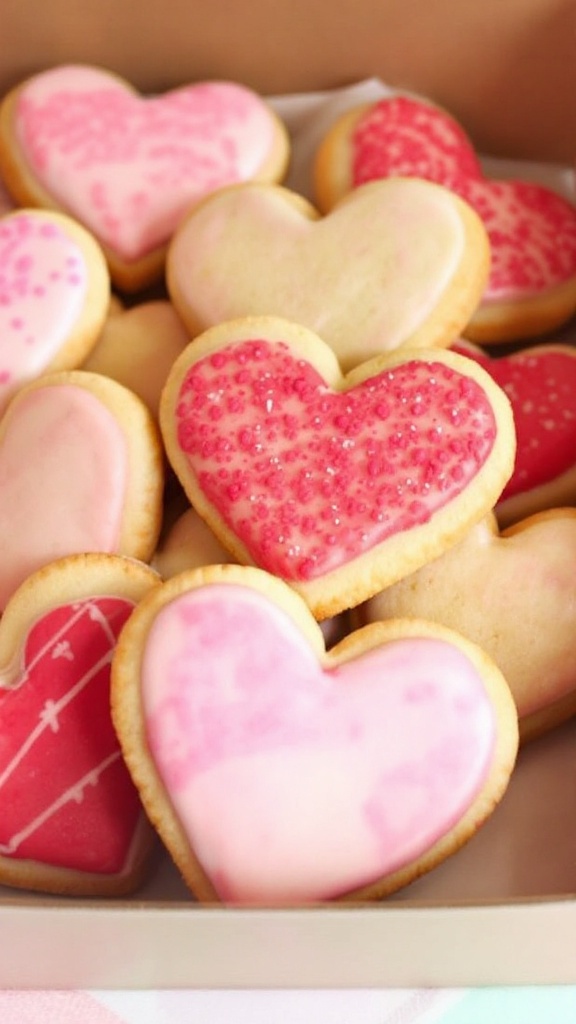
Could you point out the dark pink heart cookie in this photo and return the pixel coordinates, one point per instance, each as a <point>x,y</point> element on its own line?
<point>70,817</point>
<point>541,385</point>
<point>332,483</point>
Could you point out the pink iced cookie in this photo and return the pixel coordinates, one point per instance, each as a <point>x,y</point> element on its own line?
<point>80,470</point>
<point>398,263</point>
<point>278,774</point>
<point>339,485</point>
<point>532,230</point>
<point>513,593</point>
<point>540,383</point>
<point>70,817</point>
<point>54,296</point>
<point>128,167</point>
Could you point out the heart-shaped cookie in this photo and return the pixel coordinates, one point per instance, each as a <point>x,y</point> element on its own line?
<point>127,166</point>
<point>532,230</point>
<point>70,817</point>
<point>80,470</point>
<point>54,296</point>
<point>540,383</point>
<point>137,347</point>
<point>334,484</point>
<point>278,774</point>
<point>513,593</point>
<point>398,263</point>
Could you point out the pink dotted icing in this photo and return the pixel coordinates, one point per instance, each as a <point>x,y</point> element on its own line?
<point>63,480</point>
<point>541,386</point>
<point>401,136</point>
<point>65,801</point>
<point>532,230</point>
<point>43,287</point>
<point>130,167</point>
<point>309,478</point>
<point>293,782</point>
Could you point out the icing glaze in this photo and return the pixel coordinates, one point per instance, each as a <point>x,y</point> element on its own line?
<point>63,476</point>
<point>293,782</point>
<point>532,230</point>
<point>66,798</point>
<point>541,386</point>
<point>129,167</point>
<point>366,277</point>
<point>308,478</point>
<point>43,285</point>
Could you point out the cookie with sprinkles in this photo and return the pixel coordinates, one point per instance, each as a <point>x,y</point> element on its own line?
<point>54,296</point>
<point>128,167</point>
<point>532,230</point>
<point>540,382</point>
<point>338,485</point>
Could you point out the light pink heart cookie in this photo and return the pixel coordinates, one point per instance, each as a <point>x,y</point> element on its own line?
<point>540,383</point>
<point>54,296</point>
<point>532,230</point>
<point>80,471</point>
<point>70,817</point>
<point>399,263</point>
<point>126,166</point>
<point>278,774</point>
<point>334,484</point>
<point>513,593</point>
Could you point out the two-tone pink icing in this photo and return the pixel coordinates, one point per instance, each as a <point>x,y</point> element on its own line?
<point>43,287</point>
<point>66,798</point>
<point>541,386</point>
<point>129,167</point>
<point>63,480</point>
<point>532,230</point>
<point>297,783</point>
<point>309,478</point>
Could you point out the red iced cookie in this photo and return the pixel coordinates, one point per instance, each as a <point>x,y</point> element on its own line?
<point>337,484</point>
<point>540,383</point>
<point>70,818</point>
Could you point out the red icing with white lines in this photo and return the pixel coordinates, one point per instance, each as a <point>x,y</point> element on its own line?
<point>66,798</point>
<point>309,478</point>
<point>532,230</point>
